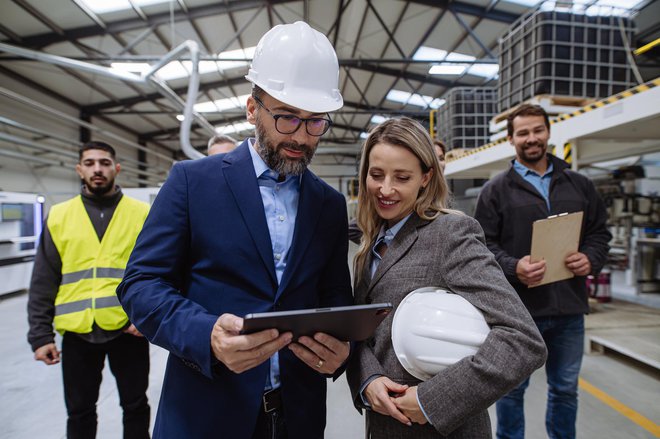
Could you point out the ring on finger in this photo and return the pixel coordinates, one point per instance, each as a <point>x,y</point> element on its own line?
<point>320,364</point>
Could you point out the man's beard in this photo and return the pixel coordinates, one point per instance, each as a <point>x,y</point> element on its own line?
<point>275,160</point>
<point>533,158</point>
<point>101,190</point>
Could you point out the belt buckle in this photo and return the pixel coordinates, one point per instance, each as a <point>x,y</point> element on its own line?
<point>270,400</point>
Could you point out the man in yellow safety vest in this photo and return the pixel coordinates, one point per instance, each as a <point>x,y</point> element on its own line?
<point>81,257</point>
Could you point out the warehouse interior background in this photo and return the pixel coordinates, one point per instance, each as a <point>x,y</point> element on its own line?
<point>123,72</point>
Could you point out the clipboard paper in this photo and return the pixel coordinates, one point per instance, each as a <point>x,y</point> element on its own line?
<point>553,239</point>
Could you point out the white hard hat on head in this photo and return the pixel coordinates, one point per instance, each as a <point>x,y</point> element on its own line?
<point>297,65</point>
<point>433,329</point>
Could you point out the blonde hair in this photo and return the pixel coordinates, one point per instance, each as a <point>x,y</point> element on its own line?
<point>431,200</point>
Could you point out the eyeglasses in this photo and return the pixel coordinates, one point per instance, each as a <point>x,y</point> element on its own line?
<point>289,124</point>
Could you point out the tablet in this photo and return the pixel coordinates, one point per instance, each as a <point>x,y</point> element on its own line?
<point>346,323</point>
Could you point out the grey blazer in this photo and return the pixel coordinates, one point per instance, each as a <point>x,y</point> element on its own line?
<point>448,252</point>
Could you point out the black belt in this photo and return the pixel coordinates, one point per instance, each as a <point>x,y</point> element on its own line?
<point>272,400</point>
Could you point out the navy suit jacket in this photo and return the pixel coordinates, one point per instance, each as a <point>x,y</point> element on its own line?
<point>205,250</point>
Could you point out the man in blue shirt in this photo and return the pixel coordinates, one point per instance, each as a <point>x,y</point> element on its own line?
<point>249,231</point>
<point>536,186</point>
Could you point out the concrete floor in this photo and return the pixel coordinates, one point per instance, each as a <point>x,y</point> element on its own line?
<point>619,397</point>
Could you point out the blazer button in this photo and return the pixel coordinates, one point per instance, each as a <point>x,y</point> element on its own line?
<point>368,300</point>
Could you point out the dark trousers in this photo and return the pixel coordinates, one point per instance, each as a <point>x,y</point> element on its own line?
<point>270,422</point>
<point>82,366</point>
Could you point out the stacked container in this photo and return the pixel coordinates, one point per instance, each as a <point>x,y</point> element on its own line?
<point>463,119</point>
<point>564,54</point>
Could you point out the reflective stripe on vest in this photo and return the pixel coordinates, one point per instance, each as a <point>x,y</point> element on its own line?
<point>91,270</point>
<point>81,305</point>
<point>70,278</point>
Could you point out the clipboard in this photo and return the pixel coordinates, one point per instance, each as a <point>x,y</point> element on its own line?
<point>553,239</point>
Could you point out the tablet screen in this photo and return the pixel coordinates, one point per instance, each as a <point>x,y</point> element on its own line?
<point>346,323</point>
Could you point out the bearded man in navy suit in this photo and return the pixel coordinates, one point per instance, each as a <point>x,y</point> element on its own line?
<point>249,231</point>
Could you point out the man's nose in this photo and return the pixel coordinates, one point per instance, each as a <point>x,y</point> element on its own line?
<point>300,135</point>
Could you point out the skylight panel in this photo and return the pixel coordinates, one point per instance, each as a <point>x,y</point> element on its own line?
<point>414,99</point>
<point>222,104</point>
<point>205,107</point>
<point>182,69</point>
<point>447,69</point>
<point>219,105</point>
<point>132,67</point>
<point>247,53</point>
<point>527,3</point>
<point>455,56</point>
<point>429,53</point>
<point>454,68</point>
<point>484,70</point>
<point>106,6</point>
<point>599,7</point>
<point>378,119</point>
<point>234,128</point>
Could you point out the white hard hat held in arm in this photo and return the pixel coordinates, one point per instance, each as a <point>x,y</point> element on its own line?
<point>297,65</point>
<point>433,329</point>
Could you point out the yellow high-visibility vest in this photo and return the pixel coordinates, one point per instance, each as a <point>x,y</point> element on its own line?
<point>92,270</point>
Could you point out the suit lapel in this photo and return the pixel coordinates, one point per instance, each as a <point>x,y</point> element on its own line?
<point>398,248</point>
<point>309,211</point>
<point>239,174</point>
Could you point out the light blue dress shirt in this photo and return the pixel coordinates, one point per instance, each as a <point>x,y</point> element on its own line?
<point>387,236</point>
<point>281,206</point>
<point>540,182</point>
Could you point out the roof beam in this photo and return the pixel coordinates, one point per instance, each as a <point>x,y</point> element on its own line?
<point>429,79</point>
<point>127,102</point>
<point>470,9</point>
<point>43,40</point>
<point>369,67</point>
<point>36,86</point>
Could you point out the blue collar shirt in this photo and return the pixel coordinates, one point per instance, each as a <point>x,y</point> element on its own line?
<point>540,182</point>
<point>386,236</point>
<point>280,199</point>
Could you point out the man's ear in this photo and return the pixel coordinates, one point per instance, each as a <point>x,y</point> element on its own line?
<point>79,171</point>
<point>117,168</point>
<point>250,110</point>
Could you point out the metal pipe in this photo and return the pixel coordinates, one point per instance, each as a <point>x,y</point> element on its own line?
<point>645,48</point>
<point>629,55</point>
<point>191,96</point>
<point>67,62</point>
<point>343,62</point>
<point>49,148</point>
<point>53,162</point>
<point>65,141</point>
<point>42,107</point>
<point>30,158</point>
<point>145,79</point>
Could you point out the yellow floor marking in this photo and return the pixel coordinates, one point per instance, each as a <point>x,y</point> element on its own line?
<point>626,411</point>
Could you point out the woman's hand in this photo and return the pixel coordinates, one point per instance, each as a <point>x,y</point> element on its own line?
<point>378,395</point>
<point>407,404</point>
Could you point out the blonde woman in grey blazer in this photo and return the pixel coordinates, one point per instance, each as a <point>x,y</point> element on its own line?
<point>402,199</point>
